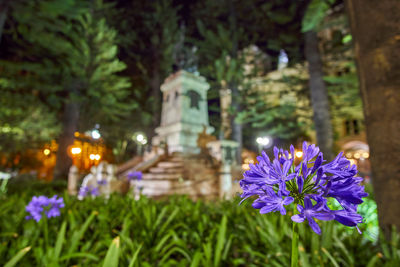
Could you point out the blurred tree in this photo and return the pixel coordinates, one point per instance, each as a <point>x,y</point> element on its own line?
<point>148,32</point>
<point>278,105</point>
<point>69,55</point>
<point>219,37</point>
<point>314,15</point>
<point>225,30</point>
<point>376,32</point>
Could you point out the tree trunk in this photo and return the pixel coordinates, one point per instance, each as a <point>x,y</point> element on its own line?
<point>4,6</point>
<point>69,126</point>
<point>375,27</point>
<point>233,85</point>
<point>319,95</point>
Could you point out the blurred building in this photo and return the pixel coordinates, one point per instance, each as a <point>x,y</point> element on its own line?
<point>85,153</point>
<point>288,86</point>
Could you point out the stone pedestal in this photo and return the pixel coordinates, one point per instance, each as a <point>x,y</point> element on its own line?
<point>73,177</point>
<point>184,112</point>
<point>224,151</point>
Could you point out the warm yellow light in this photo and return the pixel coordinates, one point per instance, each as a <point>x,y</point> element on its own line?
<point>76,134</point>
<point>97,157</point>
<point>365,155</point>
<point>76,150</point>
<point>251,161</point>
<point>92,156</point>
<point>357,155</point>
<point>299,154</point>
<point>46,152</point>
<point>245,167</point>
<point>348,155</point>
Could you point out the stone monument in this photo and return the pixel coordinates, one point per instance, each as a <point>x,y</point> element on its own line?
<point>184,112</point>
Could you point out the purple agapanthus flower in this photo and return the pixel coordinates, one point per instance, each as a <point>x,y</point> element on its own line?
<point>43,205</point>
<point>309,185</point>
<point>138,175</point>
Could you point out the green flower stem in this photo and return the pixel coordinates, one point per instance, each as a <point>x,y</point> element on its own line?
<point>295,246</point>
<point>45,232</point>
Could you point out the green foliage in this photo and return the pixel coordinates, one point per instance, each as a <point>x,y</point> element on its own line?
<point>176,232</point>
<point>344,92</point>
<point>279,107</point>
<point>147,34</point>
<point>63,52</point>
<point>315,14</point>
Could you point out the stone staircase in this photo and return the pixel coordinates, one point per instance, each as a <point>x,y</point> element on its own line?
<point>193,175</point>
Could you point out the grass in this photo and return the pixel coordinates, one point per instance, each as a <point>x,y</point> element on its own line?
<point>176,232</point>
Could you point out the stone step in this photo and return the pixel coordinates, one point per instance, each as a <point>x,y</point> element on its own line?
<point>166,170</point>
<point>204,188</point>
<point>169,164</point>
<point>162,176</point>
<point>176,159</point>
<point>165,185</point>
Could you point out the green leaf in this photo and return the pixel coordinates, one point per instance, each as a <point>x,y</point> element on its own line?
<point>220,241</point>
<point>134,257</point>
<point>79,255</point>
<point>59,242</point>
<point>14,260</point>
<point>333,261</point>
<point>77,235</point>
<point>314,16</point>
<point>112,256</point>
<point>196,259</point>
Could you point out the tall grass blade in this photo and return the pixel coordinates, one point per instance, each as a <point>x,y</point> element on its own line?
<point>196,259</point>
<point>373,260</point>
<point>77,235</point>
<point>59,242</point>
<point>220,241</point>
<point>134,258</point>
<point>112,256</point>
<point>79,255</point>
<point>333,261</point>
<point>17,257</point>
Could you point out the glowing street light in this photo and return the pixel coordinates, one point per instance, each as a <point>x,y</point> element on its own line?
<point>299,154</point>
<point>263,141</point>
<point>94,156</point>
<point>76,150</point>
<point>95,134</point>
<point>46,152</point>
<point>140,138</point>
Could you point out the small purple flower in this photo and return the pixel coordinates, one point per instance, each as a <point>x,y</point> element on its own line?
<point>309,185</point>
<point>88,190</point>
<point>42,204</point>
<point>135,175</point>
<point>95,191</point>
<point>102,182</point>
<point>83,191</point>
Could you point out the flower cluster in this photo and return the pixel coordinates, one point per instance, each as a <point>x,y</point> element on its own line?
<point>310,185</point>
<point>135,175</point>
<point>44,205</point>
<point>102,182</point>
<point>88,190</point>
